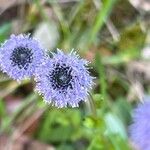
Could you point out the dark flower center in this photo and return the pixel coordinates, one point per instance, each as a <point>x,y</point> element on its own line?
<point>22,57</point>
<point>61,77</point>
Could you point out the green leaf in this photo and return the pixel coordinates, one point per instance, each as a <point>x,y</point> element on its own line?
<point>4,31</point>
<point>114,125</point>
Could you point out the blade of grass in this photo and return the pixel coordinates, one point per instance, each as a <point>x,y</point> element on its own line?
<point>102,81</point>
<point>101,73</point>
<point>101,18</point>
<point>75,11</point>
<point>64,24</point>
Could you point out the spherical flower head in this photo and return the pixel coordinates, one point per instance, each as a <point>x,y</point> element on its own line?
<point>64,80</point>
<point>20,55</point>
<point>140,129</point>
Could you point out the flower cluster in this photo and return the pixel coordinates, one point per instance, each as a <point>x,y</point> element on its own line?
<point>62,79</point>
<point>20,56</point>
<point>139,130</point>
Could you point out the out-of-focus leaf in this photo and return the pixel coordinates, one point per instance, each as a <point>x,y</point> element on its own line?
<point>64,122</point>
<point>93,123</point>
<point>98,98</point>
<point>117,142</point>
<point>110,142</point>
<point>96,144</point>
<point>123,109</point>
<point>114,125</point>
<point>5,31</point>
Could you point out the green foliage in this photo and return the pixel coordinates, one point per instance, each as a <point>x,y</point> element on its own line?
<point>4,31</point>
<point>63,122</point>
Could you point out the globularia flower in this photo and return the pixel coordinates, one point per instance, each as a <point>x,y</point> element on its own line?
<point>20,55</point>
<point>63,80</point>
<point>140,129</point>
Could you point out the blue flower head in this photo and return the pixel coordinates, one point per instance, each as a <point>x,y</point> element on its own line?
<point>140,129</point>
<point>19,56</point>
<point>63,80</point>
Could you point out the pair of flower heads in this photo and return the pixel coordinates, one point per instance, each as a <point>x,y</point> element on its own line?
<point>63,79</point>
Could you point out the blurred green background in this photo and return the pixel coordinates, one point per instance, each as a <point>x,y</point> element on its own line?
<point>114,35</point>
